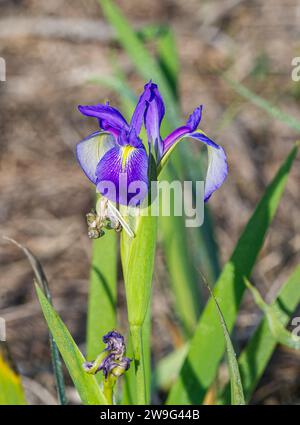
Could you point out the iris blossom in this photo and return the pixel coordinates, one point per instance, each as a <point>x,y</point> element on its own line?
<point>112,360</point>
<point>117,150</point>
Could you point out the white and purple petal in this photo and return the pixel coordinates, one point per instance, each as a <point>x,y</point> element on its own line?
<point>90,150</point>
<point>217,169</point>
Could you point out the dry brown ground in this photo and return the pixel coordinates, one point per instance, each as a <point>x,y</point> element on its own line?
<point>51,48</point>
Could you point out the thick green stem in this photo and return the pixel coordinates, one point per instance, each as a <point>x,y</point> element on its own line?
<point>108,387</point>
<point>137,344</point>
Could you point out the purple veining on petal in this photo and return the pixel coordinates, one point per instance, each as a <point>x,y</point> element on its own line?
<point>118,162</point>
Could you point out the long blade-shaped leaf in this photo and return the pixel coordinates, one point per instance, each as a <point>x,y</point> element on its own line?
<point>255,357</point>
<point>237,394</point>
<point>42,281</point>
<point>207,346</point>
<point>11,390</point>
<point>102,293</point>
<point>86,385</point>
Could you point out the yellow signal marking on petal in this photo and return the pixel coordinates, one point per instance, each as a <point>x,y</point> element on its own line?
<point>126,151</point>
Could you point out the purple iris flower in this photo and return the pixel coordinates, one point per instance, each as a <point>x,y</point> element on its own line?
<point>117,150</point>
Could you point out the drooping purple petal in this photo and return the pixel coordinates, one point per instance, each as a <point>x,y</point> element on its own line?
<point>153,117</point>
<point>122,174</point>
<point>138,114</point>
<point>110,118</point>
<point>90,150</point>
<point>190,126</point>
<point>217,169</point>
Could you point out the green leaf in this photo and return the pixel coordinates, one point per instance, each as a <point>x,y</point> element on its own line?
<point>102,302</point>
<point>237,394</point>
<point>168,368</point>
<point>255,357</point>
<point>264,104</point>
<point>43,282</point>
<point>140,57</point>
<point>168,57</point>
<point>276,324</point>
<point>207,345</point>
<point>11,390</point>
<point>86,385</point>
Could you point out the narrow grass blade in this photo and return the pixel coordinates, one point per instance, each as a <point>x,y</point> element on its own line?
<point>255,357</point>
<point>237,394</point>
<point>276,323</point>
<point>272,110</point>
<point>207,345</point>
<point>102,293</point>
<point>42,281</point>
<point>11,390</point>
<point>168,58</point>
<point>141,58</point>
<point>86,385</point>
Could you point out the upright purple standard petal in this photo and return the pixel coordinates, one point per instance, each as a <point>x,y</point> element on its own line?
<point>124,167</point>
<point>153,117</point>
<point>138,114</point>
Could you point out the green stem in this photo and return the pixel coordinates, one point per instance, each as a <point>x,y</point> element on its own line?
<point>137,344</point>
<point>108,388</point>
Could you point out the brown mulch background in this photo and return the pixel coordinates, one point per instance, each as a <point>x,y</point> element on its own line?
<point>51,49</point>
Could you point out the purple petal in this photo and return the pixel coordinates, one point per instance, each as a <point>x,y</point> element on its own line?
<point>190,126</point>
<point>90,150</point>
<point>217,169</point>
<point>119,170</point>
<point>173,137</point>
<point>153,118</point>
<point>138,114</point>
<point>194,118</point>
<point>109,118</point>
